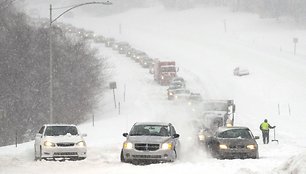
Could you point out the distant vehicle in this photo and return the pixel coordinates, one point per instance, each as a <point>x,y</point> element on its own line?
<point>138,55</point>
<point>130,52</point>
<point>123,49</point>
<point>99,39</point>
<point>223,109</point>
<point>172,87</point>
<point>164,71</point>
<point>194,98</point>
<point>239,71</point>
<point>118,45</point>
<point>178,79</point>
<point>109,42</point>
<point>150,142</point>
<point>176,85</point>
<point>179,94</point>
<point>234,142</point>
<point>59,141</point>
<point>146,62</point>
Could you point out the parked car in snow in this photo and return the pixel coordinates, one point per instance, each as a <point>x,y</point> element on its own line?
<point>150,142</point>
<point>240,71</point>
<point>59,141</point>
<point>234,142</point>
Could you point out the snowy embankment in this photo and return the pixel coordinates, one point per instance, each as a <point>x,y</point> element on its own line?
<point>206,55</point>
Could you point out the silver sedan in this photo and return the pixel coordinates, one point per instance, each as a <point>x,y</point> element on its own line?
<point>150,142</point>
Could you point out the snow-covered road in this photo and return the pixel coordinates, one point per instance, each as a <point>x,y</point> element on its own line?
<point>206,57</point>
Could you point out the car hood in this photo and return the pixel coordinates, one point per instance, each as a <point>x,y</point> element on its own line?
<point>148,139</point>
<point>236,141</point>
<point>61,139</point>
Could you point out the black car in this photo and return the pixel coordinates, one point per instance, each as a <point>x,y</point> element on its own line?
<point>234,142</point>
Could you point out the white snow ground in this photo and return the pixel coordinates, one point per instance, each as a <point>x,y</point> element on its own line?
<point>206,55</point>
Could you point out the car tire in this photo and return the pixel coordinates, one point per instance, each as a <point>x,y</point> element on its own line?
<point>176,155</point>
<point>122,157</point>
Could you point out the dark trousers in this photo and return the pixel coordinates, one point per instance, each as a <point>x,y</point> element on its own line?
<point>265,137</point>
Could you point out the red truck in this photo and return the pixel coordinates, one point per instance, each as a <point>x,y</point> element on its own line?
<point>164,71</point>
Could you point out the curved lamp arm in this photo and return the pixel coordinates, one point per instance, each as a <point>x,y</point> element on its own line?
<point>87,3</point>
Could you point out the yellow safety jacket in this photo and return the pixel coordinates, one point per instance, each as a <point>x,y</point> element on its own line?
<point>264,126</point>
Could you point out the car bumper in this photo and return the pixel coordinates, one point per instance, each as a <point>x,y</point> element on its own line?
<point>234,153</point>
<point>131,155</point>
<point>64,152</point>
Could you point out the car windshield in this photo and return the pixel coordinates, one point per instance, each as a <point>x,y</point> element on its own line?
<point>182,92</point>
<point>150,130</point>
<point>215,106</point>
<point>60,130</point>
<point>168,69</point>
<point>236,133</point>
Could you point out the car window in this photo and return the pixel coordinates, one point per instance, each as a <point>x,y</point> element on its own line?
<point>150,130</point>
<point>41,131</point>
<point>236,133</point>
<point>60,130</point>
<point>172,131</point>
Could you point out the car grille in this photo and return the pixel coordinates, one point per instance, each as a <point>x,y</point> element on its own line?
<point>237,146</point>
<point>147,147</point>
<point>65,154</point>
<point>65,144</point>
<point>147,156</point>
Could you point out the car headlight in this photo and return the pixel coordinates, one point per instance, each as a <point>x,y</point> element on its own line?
<point>201,137</point>
<point>223,146</point>
<point>81,144</point>
<point>162,77</point>
<point>167,146</point>
<point>170,93</point>
<point>251,146</point>
<point>49,144</point>
<point>127,145</point>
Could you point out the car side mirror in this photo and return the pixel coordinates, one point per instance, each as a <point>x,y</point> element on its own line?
<point>125,134</point>
<point>234,108</point>
<point>256,137</point>
<point>176,135</point>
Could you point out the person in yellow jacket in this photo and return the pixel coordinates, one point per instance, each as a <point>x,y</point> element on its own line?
<point>265,127</point>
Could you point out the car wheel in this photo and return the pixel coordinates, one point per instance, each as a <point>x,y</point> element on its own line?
<point>122,157</point>
<point>176,155</point>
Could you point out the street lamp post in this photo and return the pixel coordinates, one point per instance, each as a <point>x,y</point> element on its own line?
<point>50,47</point>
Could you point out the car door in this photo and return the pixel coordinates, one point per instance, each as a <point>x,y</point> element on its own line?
<point>38,138</point>
<point>175,140</point>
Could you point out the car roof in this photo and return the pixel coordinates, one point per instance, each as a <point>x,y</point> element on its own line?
<point>222,129</point>
<point>152,123</point>
<point>59,124</point>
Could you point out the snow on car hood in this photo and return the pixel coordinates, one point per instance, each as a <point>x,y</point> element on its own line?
<point>64,138</point>
<point>148,139</point>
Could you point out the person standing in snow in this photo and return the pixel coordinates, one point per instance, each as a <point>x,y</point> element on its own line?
<point>265,127</point>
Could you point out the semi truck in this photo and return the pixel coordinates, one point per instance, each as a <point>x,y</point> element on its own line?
<point>164,71</point>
